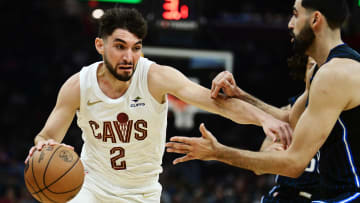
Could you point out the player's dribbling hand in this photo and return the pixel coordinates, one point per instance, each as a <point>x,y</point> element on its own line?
<point>224,81</point>
<point>41,144</point>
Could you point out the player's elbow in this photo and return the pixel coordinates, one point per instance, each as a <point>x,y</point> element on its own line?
<point>293,168</point>
<point>259,173</point>
<point>295,173</point>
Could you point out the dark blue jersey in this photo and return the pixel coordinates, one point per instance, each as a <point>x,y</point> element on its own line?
<point>340,154</point>
<point>302,189</point>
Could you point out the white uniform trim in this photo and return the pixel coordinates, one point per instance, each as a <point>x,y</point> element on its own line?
<point>348,152</point>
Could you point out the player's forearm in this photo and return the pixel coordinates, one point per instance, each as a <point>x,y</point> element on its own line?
<point>274,111</point>
<point>266,143</point>
<point>46,135</point>
<point>297,109</point>
<point>259,162</point>
<point>243,113</point>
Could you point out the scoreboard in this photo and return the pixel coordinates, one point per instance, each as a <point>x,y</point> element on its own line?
<point>164,14</point>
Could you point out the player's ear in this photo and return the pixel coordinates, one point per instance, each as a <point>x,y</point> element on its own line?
<point>316,20</point>
<point>99,45</point>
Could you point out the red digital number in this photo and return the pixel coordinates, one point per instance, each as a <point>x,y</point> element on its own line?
<point>173,10</point>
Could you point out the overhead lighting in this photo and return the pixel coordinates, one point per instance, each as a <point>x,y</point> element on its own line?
<point>97,13</point>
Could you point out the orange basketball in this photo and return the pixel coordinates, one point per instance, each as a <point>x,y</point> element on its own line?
<point>54,174</point>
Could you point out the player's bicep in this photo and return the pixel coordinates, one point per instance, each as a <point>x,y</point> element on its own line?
<point>317,121</point>
<point>327,99</point>
<point>68,101</point>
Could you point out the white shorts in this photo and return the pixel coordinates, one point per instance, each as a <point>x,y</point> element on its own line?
<point>92,193</point>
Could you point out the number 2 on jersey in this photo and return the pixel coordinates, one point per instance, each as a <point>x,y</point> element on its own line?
<point>121,154</point>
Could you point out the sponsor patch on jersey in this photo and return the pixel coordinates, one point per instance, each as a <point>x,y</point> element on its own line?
<point>136,103</point>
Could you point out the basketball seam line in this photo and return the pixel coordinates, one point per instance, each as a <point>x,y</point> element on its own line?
<point>26,181</point>
<point>47,187</point>
<point>32,165</point>
<point>32,170</point>
<point>66,191</point>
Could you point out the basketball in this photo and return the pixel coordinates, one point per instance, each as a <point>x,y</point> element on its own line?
<point>54,174</point>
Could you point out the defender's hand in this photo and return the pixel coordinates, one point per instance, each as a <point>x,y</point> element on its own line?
<point>224,81</point>
<point>278,131</point>
<point>203,148</point>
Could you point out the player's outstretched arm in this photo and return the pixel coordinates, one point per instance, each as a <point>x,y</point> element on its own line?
<point>225,81</point>
<point>329,96</point>
<point>164,79</point>
<point>60,119</point>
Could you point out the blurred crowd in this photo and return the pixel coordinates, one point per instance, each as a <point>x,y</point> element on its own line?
<point>44,42</point>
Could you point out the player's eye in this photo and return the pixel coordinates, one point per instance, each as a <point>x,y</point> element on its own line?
<point>120,46</point>
<point>137,48</point>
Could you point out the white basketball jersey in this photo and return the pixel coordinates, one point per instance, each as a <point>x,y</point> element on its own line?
<point>124,138</point>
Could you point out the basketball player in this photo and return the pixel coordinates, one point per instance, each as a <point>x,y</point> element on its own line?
<point>329,123</point>
<point>286,190</point>
<point>121,108</point>
<point>306,187</point>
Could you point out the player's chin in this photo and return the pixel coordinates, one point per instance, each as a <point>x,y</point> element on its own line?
<point>124,76</point>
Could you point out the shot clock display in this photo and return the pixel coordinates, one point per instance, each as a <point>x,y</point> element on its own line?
<point>173,10</point>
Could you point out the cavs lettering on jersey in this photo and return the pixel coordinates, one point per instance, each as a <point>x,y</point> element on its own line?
<point>124,138</point>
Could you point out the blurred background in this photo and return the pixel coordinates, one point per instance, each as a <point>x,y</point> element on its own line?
<point>45,42</point>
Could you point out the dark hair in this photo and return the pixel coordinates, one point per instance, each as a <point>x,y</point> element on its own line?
<point>124,18</point>
<point>335,11</point>
<point>297,64</point>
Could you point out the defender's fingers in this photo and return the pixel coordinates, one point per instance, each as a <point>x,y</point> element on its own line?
<point>178,151</point>
<point>186,140</point>
<point>179,146</point>
<point>203,130</point>
<point>215,81</point>
<point>215,91</point>
<point>272,136</point>
<point>289,135</point>
<point>227,83</point>
<point>183,159</point>
<point>283,136</point>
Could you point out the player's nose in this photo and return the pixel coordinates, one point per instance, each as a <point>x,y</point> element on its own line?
<point>291,23</point>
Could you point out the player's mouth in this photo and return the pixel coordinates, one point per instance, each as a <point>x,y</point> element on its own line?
<point>125,67</point>
<point>292,35</point>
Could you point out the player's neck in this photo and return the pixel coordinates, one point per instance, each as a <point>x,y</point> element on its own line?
<point>110,85</point>
<point>323,44</point>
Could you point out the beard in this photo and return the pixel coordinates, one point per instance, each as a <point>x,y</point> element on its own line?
<point>303,40</point>
<point>122,77</point>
